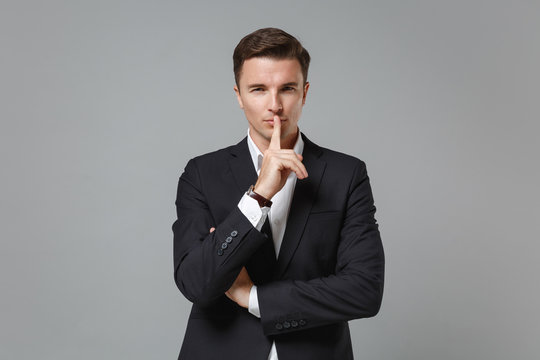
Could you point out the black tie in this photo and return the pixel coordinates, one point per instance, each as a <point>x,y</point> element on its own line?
<point>262,264</point>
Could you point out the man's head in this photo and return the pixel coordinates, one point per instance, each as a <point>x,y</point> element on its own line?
<point>270,68</point>
<point>269,43</point>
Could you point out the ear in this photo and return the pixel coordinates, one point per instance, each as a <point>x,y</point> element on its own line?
<point>238,97</point>
<point>306,87</point>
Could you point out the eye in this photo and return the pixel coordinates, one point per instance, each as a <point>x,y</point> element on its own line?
<point>257,89</point>
<point>288,88</point>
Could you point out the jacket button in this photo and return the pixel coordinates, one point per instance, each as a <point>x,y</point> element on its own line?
<point>234,233</point>
<point>286,325</point>
<point>279,326</point>
<point>228,240</point>
<point>220,252</point>
<point>224,245</point>
<point>294,323</point>
<point>302,322</point>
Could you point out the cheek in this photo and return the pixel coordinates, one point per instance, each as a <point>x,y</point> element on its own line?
<point>252,106</point>
<point>296,109</point>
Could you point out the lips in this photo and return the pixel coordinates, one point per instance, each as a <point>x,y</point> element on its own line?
<point>272,120</point>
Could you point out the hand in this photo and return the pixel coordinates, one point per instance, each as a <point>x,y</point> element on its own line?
<point>277,165</point>
<point>240,289</point>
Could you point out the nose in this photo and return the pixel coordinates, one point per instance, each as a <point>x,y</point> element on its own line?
<point>275,104</point>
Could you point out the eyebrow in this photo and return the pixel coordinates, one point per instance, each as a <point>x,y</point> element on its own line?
<point>292,83</point>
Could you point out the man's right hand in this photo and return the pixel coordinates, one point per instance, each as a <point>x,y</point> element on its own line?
<point>277,165</point>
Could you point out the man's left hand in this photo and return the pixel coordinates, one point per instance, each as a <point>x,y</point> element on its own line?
<point>240,289</point>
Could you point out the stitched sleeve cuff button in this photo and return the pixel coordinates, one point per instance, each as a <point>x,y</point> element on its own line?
<point>286,325</point>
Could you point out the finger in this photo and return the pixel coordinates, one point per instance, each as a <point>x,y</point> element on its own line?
<point>301,173</point>
<point>293,159</point>
<point>212,229</point>
<point>275,141</point>
<point>287,155</point>
<point>285,152</point>
<point>294,165</point>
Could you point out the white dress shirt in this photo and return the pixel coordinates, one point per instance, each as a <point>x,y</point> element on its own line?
<point>278,214</point>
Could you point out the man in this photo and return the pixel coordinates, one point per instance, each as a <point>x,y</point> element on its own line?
<point>276,243</point>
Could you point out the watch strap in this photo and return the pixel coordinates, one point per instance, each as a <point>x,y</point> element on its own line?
<point>263,202</point>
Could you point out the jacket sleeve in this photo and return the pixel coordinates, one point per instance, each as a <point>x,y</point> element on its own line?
<point>206,264</point>
<point>353,291</point>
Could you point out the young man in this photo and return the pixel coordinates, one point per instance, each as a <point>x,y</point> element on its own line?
<point>276,243</point>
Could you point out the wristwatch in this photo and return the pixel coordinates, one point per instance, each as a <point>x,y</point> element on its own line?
<point>260,199</point>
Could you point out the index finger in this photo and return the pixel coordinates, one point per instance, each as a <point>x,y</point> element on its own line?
<point>275,142</point>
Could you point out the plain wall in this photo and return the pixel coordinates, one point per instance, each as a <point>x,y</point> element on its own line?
<point>104,102</point>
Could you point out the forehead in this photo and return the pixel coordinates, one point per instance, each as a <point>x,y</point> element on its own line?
<point>270,71</point>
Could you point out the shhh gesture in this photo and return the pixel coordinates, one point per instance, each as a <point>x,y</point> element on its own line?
<point>277,164</point>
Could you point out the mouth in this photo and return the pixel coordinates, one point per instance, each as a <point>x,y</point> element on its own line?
<point>271,121</point>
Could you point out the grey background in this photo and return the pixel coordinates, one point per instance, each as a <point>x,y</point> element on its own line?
<point>103,103</point>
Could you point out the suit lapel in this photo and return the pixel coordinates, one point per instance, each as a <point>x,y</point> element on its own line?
<point>242,166</point>
<point>305,192</point>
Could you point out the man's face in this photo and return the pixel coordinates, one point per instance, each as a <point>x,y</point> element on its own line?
<point>269,87</point>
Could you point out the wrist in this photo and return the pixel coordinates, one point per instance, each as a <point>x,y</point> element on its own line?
<point>261,190</point>
<point>245,300</point>
<point>262,197</point>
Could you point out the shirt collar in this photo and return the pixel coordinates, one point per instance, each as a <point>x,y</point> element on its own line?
<point>257,156</point>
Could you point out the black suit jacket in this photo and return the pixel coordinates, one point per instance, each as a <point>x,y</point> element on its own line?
<point>330,268</point>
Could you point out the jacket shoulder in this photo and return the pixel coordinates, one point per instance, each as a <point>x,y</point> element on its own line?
<point>335,159</point>
<point>215,158</point>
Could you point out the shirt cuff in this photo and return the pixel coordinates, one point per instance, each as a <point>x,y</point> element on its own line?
<point>253,305</point>
<point>253,212</point>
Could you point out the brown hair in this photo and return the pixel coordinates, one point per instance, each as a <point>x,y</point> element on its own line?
<point>272,43</point>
